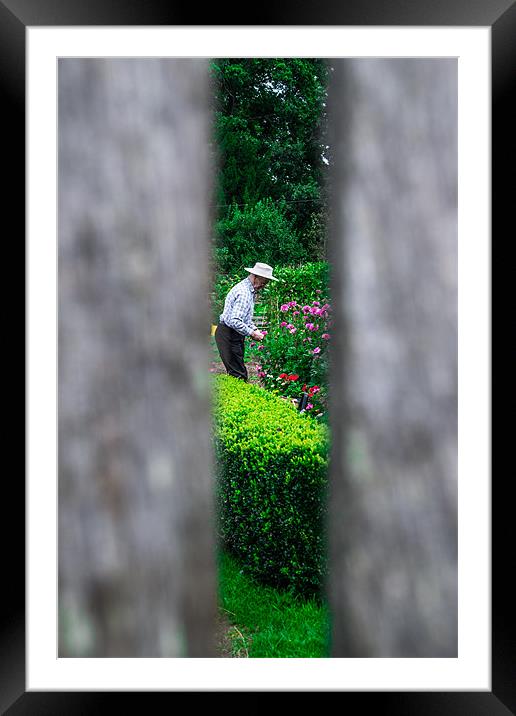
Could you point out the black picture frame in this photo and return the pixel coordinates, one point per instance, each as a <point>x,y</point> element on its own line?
<point>500,16</point>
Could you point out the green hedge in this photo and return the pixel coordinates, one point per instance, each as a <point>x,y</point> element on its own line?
<point>271,487</point>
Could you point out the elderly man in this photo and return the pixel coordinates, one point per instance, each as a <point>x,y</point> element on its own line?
<point>236,320</point>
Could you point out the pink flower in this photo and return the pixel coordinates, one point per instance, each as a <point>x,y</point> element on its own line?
<point>292,303</point>
<point>326,336</point>
<point>296,313</point>
<point>316,350</point>
<point>260,348</point>
<point>293,330</point>
<point>252,344</point>
<point>289,326</point>
<point>284,307</point>
<point>309,406</point>
<point>264,333</point>
<point>318,290</point>
<point>315,303</point>
<point>306,309</point>
<point>309,326</point>
<point>283,323</point>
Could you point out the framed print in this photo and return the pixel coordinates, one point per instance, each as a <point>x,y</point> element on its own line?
<point>34,36</point>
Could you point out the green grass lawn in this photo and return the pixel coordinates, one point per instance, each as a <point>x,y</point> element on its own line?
<point>267,622</point>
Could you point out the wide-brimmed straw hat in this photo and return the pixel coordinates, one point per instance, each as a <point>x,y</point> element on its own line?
<point>263,270</point>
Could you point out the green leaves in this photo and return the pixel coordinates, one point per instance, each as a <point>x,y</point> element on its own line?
<point>271,485</point>
<point>262,224</point>
<point>285,351</point>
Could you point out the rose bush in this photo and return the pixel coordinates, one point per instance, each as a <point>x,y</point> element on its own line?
<point>293,356</point>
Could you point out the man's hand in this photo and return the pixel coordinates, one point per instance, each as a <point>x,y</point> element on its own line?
<point>257,335</point>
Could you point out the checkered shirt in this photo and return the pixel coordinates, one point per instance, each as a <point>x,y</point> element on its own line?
<point>239,307</point>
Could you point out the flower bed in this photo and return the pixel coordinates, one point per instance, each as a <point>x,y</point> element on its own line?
<point>293,357</point>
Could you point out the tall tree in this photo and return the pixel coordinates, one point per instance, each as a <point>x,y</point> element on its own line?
<point>136,536</point>
<point>270,133</point>
<point>394,365</point>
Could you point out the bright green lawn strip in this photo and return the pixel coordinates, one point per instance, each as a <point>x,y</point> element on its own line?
<point>273,623</point>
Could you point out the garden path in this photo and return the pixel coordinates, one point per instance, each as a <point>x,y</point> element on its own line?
<point>230,642</point>
<point>216,365</point>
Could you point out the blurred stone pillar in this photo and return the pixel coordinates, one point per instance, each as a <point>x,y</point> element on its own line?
<point>393,524</point>
<point>136,547</point>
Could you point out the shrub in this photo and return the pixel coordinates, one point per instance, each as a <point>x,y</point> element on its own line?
<point>259,232</point>
<point>293,357</point>
<point>271,487</point>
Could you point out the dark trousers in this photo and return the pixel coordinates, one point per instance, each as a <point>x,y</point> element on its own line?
<point>231,348</point>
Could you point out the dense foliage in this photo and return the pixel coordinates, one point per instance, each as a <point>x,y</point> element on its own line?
<point>271,489</point>
<point>264,225</point>
<point>303,283</point>
<point>293,357</point>
<point>269,127</point>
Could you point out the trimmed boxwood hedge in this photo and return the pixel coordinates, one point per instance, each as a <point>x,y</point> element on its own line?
<point>271,486</point>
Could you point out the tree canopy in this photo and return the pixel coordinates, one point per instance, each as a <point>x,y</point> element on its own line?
<point>270,135</point>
